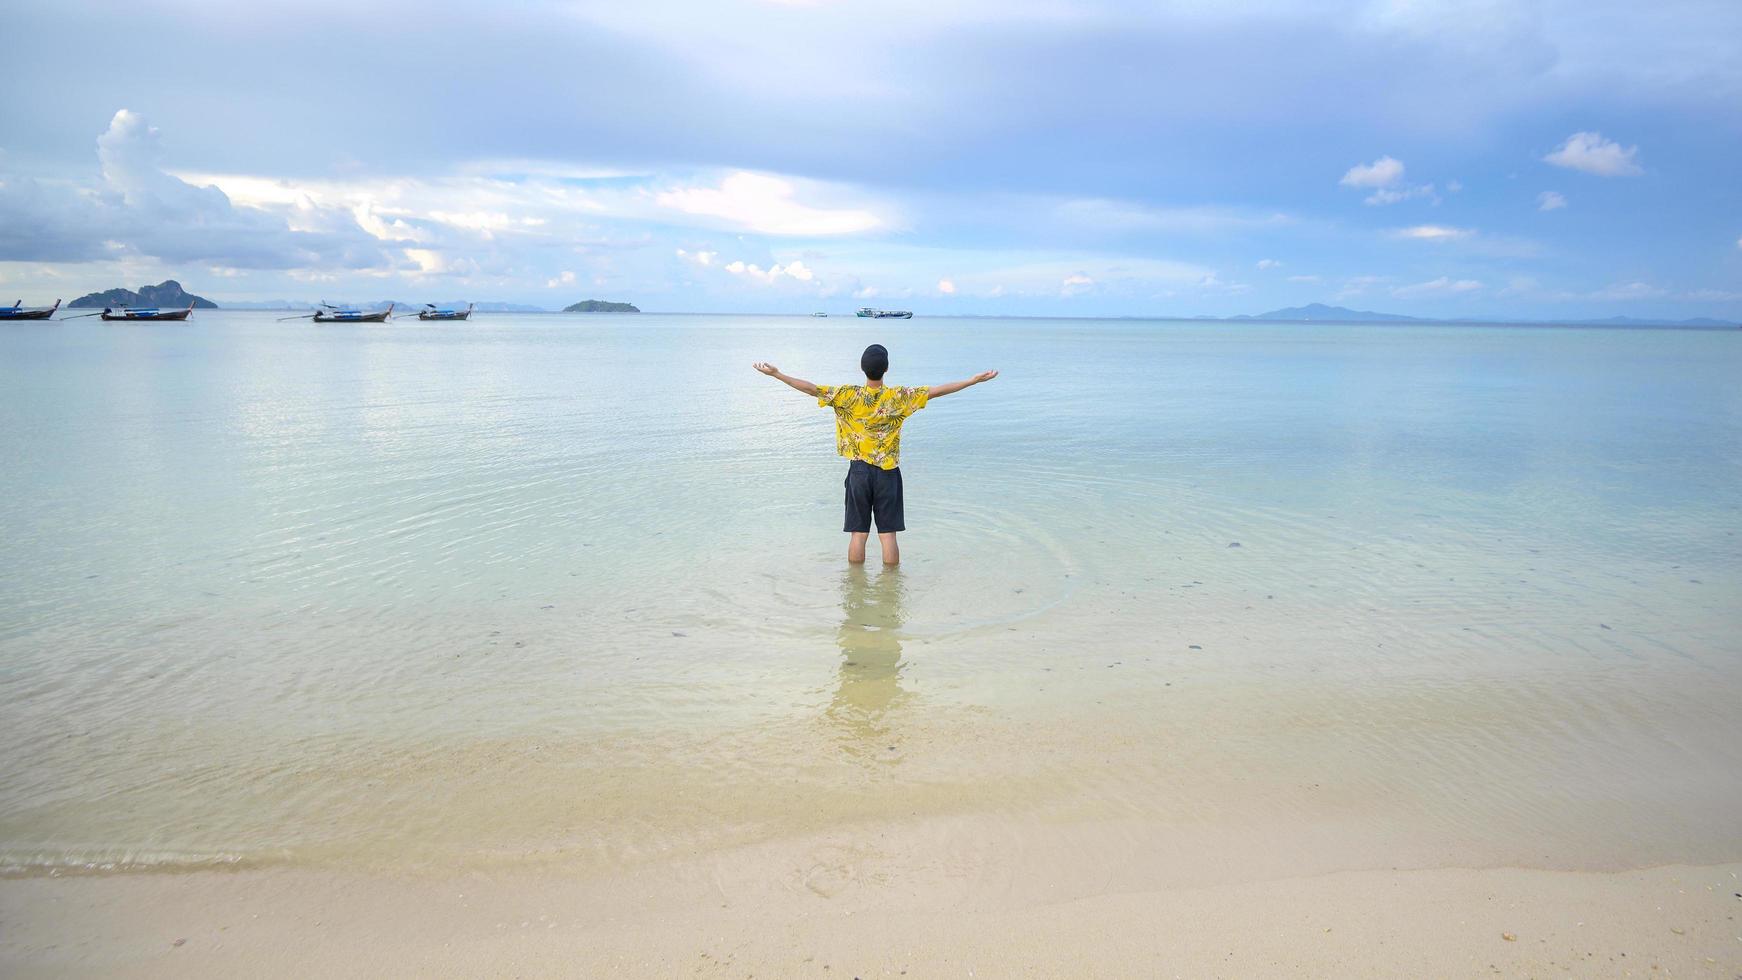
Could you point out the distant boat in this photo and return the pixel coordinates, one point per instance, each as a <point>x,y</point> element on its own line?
<point>430,312</point>
<point>18,311</point>
<point>332,314</point>
<point>126,313</point>
<point>885,314</point>
<point>819,314</point>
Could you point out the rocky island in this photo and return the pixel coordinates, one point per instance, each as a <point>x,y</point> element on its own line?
<point>166,295</point>
<point>599,306</point>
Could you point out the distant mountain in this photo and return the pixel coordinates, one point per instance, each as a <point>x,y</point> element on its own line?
<point>452,304</point>
<point>495,307</point>
<point>599,306</point>
<point>166,295</point>
<point>267,304</point>
<point>1633,321</point>
<point>1339,314</point>
<point>1319,312</point>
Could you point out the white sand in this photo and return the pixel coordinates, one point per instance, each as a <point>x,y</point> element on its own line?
<point>694,917</point>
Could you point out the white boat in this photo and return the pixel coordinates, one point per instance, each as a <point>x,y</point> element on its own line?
<point>885,314</point>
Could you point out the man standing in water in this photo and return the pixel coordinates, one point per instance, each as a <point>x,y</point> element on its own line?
<point>868,421</point>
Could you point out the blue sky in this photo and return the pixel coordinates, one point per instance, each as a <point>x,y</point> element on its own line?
<point>1443,159</point>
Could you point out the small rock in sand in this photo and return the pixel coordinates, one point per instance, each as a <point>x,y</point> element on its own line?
<point>1509,937</point>
<point>1233,544</point>
<point>1194,647</point>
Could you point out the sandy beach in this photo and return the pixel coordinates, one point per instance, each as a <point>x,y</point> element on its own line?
<point>762,914</point>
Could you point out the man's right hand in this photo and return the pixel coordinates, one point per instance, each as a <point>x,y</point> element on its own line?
<point>766,368</point>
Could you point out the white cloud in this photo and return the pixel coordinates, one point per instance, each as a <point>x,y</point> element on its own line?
<point>1213,283</point>
<point>1025,274</point>
<point>1593,154</point>
<point>138,210</point>
<point>1102,214</point>
<point>795,270</point>
<point>567,278</point>
<point>1385,177</point>
<point>1358,285</point>
<point>500,214</point>
<point>1550,201</point>
<point>1629,290</point>
<point>946,287</point>
<point>433,263</point>
<point>1382,172</point>
<point>1433,233</point>
<point>1444,285</point>
<point>1303,278</point>
<point>767,204</point>
<point>1454,186</point>
<point>865,293</point>
<point>485,222</point>
<point>306,214</point>
<point>1269,264</point>
<point>1723,295</point>
<point>1392,195</point>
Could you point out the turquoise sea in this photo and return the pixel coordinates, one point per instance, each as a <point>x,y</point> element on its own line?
<point>572,589</point>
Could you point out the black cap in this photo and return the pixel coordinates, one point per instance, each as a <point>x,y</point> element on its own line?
<point>874,362</point>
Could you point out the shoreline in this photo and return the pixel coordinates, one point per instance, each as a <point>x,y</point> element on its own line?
<point>753,915</point>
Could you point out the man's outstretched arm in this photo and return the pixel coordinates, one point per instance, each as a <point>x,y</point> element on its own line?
<point>799,383</point>
<point>951,387</point>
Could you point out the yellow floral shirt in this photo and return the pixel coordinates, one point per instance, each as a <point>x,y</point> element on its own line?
<point>868,420</point>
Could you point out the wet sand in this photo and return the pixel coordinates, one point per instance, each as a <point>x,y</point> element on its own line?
<point>756,913</point>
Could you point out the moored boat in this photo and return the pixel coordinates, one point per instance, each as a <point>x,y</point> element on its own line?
<point>885,314</point>
<point>333,314</point>
<point>129,313</point>
<point>430,312</point>
<point>18,311</point>
<point>819,314</point>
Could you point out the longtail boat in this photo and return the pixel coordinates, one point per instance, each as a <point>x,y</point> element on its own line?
<point>431,313</point>
<point>18,311</point>
<point>332,314</point>
<point>126,313</point>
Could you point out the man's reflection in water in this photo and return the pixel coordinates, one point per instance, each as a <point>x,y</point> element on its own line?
<point>870,638</point>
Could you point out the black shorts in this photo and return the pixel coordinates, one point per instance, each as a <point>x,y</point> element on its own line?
<point>873,491</point>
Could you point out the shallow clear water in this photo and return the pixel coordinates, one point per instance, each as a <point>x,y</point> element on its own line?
<point>572,588</point>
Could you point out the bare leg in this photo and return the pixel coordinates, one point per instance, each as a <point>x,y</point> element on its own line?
<point>856,547</point>
<point>891,551</point>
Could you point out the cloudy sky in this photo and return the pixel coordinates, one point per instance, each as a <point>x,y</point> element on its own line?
<point>1538,159</point>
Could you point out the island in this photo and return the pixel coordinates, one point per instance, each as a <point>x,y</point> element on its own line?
<point>1335,314</point>
<point>1319,312</point>
<point>166,295</point>
<point>599,306</point>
